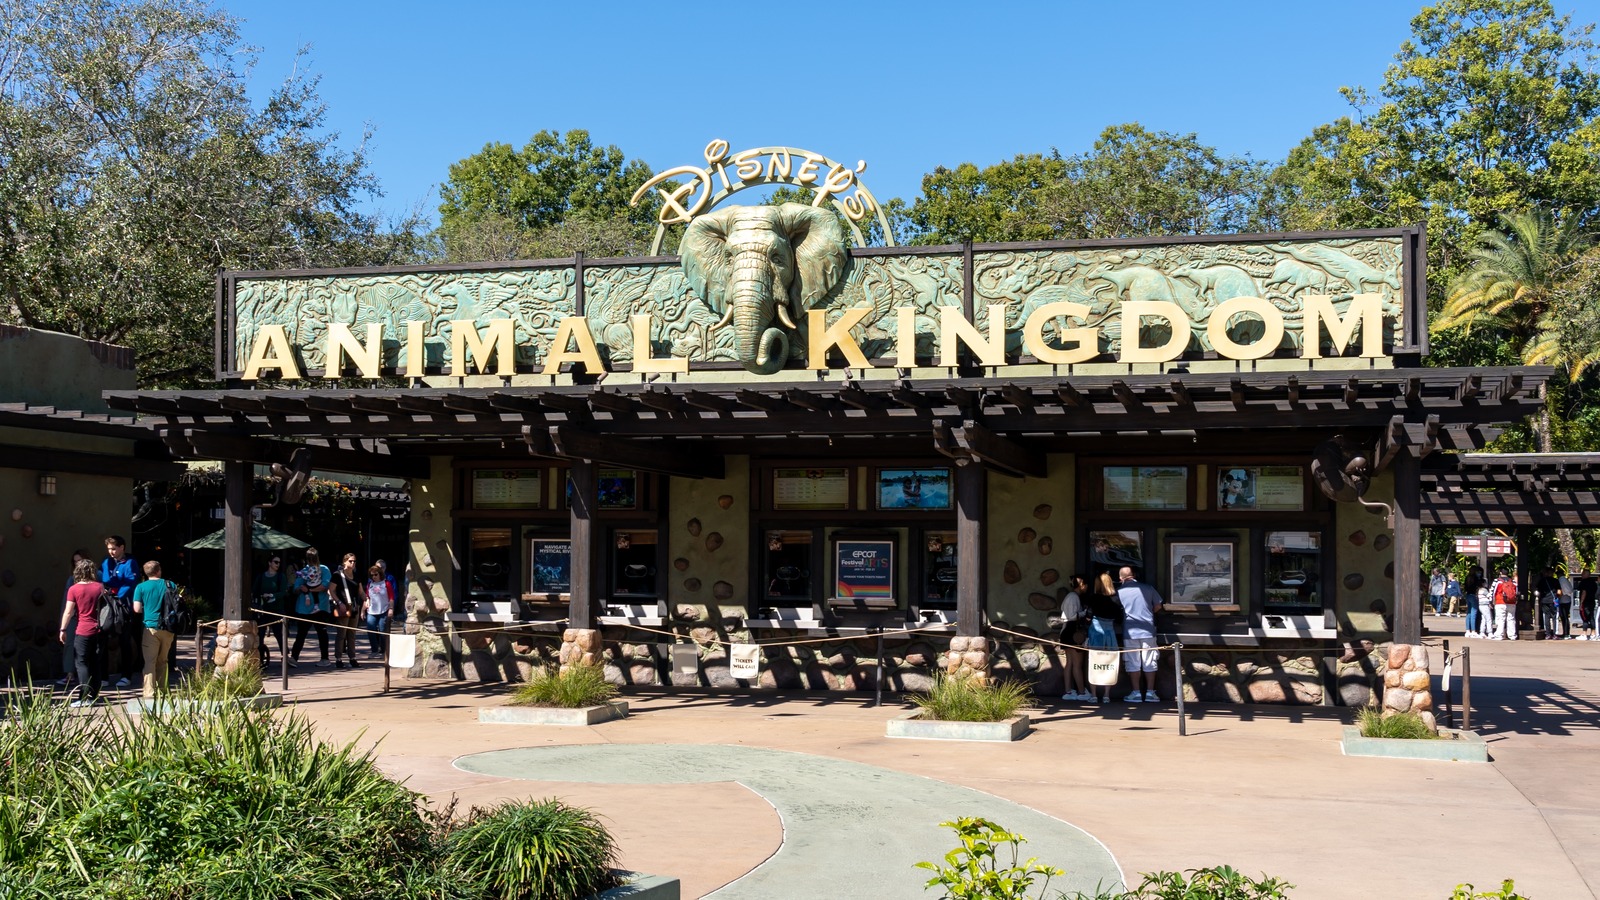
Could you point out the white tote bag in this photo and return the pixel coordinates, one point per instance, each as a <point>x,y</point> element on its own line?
<point>1104,667</point>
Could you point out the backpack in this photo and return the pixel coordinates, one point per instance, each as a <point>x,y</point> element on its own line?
<point>175,615</point>
<point>111,613</point>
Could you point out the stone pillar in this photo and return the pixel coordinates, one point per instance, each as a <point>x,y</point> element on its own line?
<point>1407,686</point>
<point>237,645</point>
<point>580,646</point>
<point>967,657</point>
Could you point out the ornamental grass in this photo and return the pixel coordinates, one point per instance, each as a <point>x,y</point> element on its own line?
<point>963,698</point>
<point>1406,725</point>
<point>573,687</point>
<point>214,683</point>
<point>230,801</point>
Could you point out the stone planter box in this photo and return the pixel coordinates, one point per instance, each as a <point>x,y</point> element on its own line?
<point>139,705</point>
<point>553,715</point>
<point>641,887</point>
<point>1453,745</point>
<point>912,725</point>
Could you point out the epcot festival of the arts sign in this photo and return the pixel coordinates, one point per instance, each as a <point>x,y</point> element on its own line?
<point>777,287</point>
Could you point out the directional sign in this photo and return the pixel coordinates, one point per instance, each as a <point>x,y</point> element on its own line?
<point>1469,545</point>
<point>1494,546</point>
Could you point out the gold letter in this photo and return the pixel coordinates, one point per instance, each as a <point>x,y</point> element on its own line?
<point>1088,337</point>
<point>777,170</point>
<point>905,337</point>
<point>342,343</point>
<point>642,360</point>
<point>502,342</point>
<point>416,352</point>
<point>954,327</point>
<point>271,351</point>
<point>838,335</point>
<point>747,165</point>
<point>1133,314</point>
<point>1366,309</point>
<point>572,329</point>
<point>1221,318</point>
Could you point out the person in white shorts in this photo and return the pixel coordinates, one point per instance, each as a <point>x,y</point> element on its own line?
<point>1140,603</point>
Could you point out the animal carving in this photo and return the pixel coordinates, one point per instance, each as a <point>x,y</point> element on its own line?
<point>1340,471</point>
<point>759,267</point>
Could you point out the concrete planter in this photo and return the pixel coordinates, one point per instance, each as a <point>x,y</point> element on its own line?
<point>139,705</point>
<point>912,725</point>
<point>641,887</point>
<point>1453,745</point>
<point>553,715</point>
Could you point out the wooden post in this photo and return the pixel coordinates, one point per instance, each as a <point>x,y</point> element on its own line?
<point>1527,605</point>
<point>236,543</point>
<point>580,603</point>
<point>971,578</point>
<point>1407,550</point>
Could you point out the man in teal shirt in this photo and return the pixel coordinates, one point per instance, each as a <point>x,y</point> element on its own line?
<point>148,599</point>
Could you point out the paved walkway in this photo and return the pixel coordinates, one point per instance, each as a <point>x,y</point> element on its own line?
<point>1264,789</point>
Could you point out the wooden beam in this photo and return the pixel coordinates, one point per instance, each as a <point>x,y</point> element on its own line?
<point>1236,392</point>
<point>199,444</point>
<point>911,398</point>
<point>662,401</point>
<point>1019,398</point>
<point>1471,386</point>
<point>575,443</point>
<point>968,401</point>
<point>581,565</point>
<point>238,478</point>
<point>853,395</point>
<point>537,439</point>
<point>612,402</point>
<point>1413,390</point>
<point>1294,390</point>
<point>1389,444</point>
<point>1512,386</point>
<point>1430,436</point>
<point>1125,395</point>
<point>1352,391</point>
<point>1484,509</point>
<point>996,452</point>
<point>1071,396</point>
<point>1406,606</point>
<point>709,402</point>
<point>809,400</point>
<point>972,577</point>
<point>766,402</point>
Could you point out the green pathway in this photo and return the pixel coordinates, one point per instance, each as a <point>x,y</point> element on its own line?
<point>849,830</point>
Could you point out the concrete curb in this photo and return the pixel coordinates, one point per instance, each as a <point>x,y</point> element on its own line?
<point>552,715</point>
<point>642,887</point>
<point>1454,746</point>
<point>911,725</point>
<point>140,706</point>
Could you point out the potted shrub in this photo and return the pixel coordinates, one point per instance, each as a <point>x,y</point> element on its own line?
<point>572,695</point>
<point>1407,736</point>
<point>966,708</point>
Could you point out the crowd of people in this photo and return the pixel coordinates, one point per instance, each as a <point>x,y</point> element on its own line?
<point>117,604</point>
<point>1561,607</point>
<point>1108,617</point>
<point>345,601</point>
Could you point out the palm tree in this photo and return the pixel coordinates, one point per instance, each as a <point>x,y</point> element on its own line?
<point>1514,286</point>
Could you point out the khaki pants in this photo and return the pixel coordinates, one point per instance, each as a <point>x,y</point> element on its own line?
<point>156,645</point>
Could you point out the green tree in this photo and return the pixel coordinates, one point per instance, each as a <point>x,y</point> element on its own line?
<point>1132,182</point>
<point>133,166</point>
<point>557,194</point>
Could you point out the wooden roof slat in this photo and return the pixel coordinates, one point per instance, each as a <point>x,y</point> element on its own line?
<point>613,402</point>
<point>764,402</point>
<point>710,402</point>
<point>1021,399</point>
<point>809,400</point>
<point>854,395</point>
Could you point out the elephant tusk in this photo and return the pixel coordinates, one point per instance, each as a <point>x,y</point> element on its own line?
<point>783,316</point>
<point>726,318</point>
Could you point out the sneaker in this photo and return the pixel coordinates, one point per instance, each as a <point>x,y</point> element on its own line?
<point>1104,700</point>
<point>124,683</point>
<point>338,665</point>
<point>353,662</point>
<point>324,663</point>
<point>63,682</point>
<point>1134,697</point>
<point>293,664</point>
<point>1070,695</point>
<point>79,704</point>
<point>1151,697</point>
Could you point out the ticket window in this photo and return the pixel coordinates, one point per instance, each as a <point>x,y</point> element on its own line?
<point>787,568</point>
<point>488,568</point>
<point>938,570</point>
<point>633,563</point>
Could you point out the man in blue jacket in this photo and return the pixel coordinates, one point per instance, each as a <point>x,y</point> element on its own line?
<point>120,575</point>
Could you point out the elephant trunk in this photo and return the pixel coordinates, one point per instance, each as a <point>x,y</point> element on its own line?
<point>755,337</point>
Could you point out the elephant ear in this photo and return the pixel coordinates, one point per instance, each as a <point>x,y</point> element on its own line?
<point>819,251</point>
<point>707,262</point>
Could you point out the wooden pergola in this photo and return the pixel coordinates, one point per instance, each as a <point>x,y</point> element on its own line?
<point>1410,416</point>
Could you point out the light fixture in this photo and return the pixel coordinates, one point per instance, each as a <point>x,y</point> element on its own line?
<point>47,485</point>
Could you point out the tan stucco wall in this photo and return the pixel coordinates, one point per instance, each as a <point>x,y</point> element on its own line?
<point>433,558</point>
<point>708,541</point>
<point>43,368</point>
<point>1364,546</point>
<point>1045,507</point>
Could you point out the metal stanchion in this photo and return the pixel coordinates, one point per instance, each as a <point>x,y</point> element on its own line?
<point>384,660</point>
<point>1444,682</point>
<point>1177,669</point>
<point>1466,688</point>
<point>283,651</point>
<point>877,699</point>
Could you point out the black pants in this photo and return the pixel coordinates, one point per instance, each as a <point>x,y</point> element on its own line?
<point>69,656</point>
<point>88,652</point>
<point>132,652</point>
<point>267,625</point>
<point>320,622</point>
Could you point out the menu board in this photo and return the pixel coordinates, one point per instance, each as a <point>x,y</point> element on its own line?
<point>864,569</point>
<point>811,488</point>
<point>551,572</point>
<point>507,488</point>
<point>1146,487</point>
<point>1261,488</point>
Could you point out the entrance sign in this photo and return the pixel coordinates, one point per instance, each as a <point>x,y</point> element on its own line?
<point>552,568</point>
<point>864,569</point>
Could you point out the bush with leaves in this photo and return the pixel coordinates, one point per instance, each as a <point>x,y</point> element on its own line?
<point>962,698</point>
<point>1213,883</point>
<point>571,687</point>
<point>1406,725</point>
<point>986,866</point>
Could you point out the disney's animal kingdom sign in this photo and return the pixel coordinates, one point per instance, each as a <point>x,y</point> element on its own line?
<point>778,287</point>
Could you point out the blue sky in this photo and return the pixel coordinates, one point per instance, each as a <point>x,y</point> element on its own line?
<point>906,87</point>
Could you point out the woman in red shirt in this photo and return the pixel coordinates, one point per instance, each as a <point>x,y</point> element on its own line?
<point>80,622</point>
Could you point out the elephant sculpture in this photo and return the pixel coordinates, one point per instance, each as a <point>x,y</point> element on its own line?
<point>756,264</point>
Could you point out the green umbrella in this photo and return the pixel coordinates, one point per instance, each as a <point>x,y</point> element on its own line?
<point>261,538</point>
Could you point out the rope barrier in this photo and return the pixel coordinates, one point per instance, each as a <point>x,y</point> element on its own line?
<point>1041,640</point>
<point>790,643</point>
